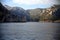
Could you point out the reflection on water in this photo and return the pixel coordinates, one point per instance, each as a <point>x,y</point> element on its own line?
<point>29,31</point>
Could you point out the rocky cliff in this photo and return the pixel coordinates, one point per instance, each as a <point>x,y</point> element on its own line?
<point>18,14</point>
<point>46,14</point>
<point>12,14</point>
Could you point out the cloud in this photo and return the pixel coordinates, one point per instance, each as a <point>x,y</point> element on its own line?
<point>33,2</point>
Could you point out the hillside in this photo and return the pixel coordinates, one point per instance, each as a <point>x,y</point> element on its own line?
<point>18,14</point>
<point>13,14</point>
<point>46,14</point>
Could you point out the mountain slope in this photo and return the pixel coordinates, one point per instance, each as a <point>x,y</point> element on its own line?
<point>15,14</point>
<point>18,14</point>
<point>22,14</point>
<point>46,14</point>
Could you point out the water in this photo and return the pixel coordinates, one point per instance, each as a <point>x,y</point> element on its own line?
<point>30,31</point>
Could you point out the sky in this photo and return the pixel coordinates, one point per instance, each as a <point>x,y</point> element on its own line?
<point>30,4</point>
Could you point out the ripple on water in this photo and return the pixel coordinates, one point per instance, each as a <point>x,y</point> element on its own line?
<point>29,31</point>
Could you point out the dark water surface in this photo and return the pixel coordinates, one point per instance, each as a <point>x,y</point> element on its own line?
<point>30,31</point>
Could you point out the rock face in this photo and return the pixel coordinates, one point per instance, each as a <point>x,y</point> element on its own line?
<point>46,14</point>
<point>35,14</point>
<point>56,15</point>
<point>3,13</point>
<point>17,11</point>
<point>18,14</point>
<point>13,14</point>
<point>22,14</point>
